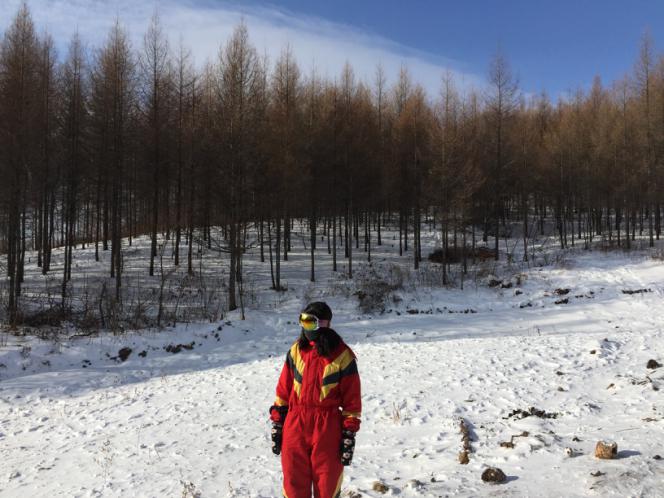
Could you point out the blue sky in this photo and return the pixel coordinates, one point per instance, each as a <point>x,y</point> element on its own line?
<point>557,44</point>
<point>553,45</point>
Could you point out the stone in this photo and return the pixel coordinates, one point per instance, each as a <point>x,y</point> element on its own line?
<point>463,458</point>
<point>653,364</point>
<point>415,484</point>
<point>493,475</point>
<point>492,281</point>
<point>606,450</point>
<point>124,353</point>
<point>380,487</point>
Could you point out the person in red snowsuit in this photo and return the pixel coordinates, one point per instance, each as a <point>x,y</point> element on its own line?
<point>317,409</point>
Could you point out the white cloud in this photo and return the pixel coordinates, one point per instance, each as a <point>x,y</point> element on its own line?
<point>204,27</point>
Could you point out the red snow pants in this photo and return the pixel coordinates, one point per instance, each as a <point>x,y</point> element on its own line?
<point>310,452</point>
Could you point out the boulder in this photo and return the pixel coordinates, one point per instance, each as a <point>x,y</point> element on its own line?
<point>380,487</point>
<point>493,475</point>
<point>124,353</point>
<point>606,450</point>
<point>653,364</point>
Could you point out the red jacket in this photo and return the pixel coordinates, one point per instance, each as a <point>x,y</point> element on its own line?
<point>311,380</point>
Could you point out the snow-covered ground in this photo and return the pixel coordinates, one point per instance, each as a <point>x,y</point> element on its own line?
<point>76,421</point>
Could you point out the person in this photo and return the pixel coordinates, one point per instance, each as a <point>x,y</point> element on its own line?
<point>317,409</point>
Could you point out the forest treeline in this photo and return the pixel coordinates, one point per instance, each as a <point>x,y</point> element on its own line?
<point>100,146</point>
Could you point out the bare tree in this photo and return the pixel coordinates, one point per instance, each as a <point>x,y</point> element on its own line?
<point>239,81</point>
<point>286,123</point>
<point>501,103</point>
<point>184,82</point>
<point>644,74</point>
<point>113,102</point>
<point>156,88</point>
<point>18,86</point>
<point>73,137</point>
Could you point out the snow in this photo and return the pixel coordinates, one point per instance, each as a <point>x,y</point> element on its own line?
<point>75,422</point>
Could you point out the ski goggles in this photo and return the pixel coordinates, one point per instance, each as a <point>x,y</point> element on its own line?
<point>311,322</point>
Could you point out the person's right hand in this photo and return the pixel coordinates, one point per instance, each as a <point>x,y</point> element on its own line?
<point>277,436</point>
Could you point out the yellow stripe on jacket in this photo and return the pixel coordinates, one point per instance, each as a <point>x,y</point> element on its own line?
<point>297,366</point>
<point>342,365</point>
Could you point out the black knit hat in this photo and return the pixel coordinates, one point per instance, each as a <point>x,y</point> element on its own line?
<point>319,309</point>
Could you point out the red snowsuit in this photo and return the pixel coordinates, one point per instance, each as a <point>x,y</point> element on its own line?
<point>323,396</point>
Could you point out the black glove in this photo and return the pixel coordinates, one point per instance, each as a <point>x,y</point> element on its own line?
<point>347,446</point>
<point>277,436</point>
<point>278,416</point>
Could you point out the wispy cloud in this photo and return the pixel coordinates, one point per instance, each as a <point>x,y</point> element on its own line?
<point>205,26</point>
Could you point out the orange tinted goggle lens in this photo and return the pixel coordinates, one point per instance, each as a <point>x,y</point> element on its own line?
<point>308,322</point>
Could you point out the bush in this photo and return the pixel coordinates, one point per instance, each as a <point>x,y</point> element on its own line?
<point>49,317</point>
<point>375,289</point>
<point>455,256</point>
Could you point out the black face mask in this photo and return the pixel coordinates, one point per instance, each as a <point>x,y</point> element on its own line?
<point>312,335</point>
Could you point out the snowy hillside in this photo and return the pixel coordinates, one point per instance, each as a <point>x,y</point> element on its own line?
<point>77,421</point>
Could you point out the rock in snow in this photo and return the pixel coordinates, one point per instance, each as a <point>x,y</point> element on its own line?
<point>606,450</point>
<point>493,475</point>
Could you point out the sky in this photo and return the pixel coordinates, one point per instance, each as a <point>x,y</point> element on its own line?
<point>557,46</point>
